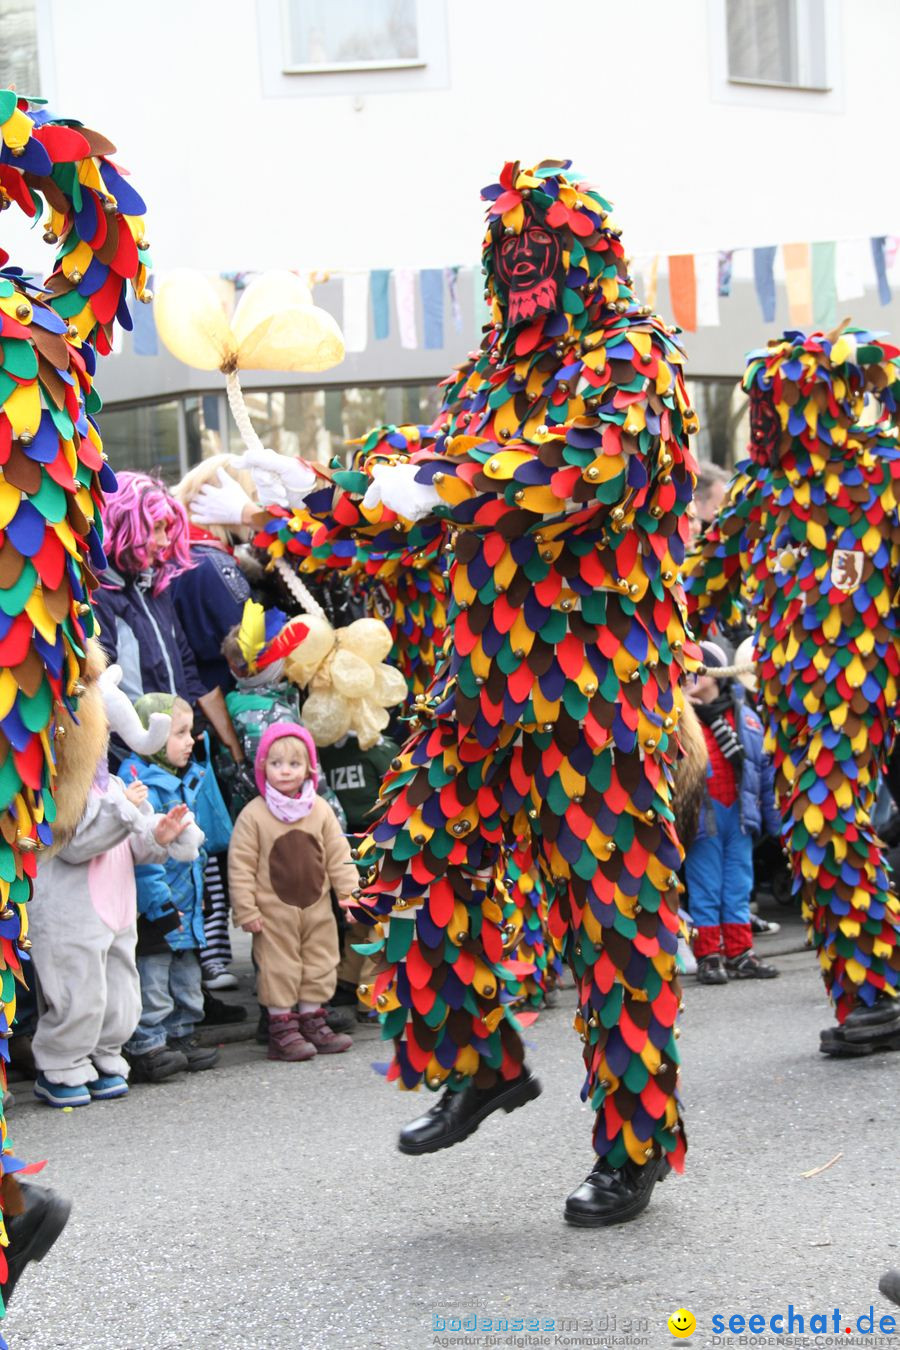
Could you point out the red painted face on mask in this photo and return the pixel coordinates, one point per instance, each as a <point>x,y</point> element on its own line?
<point>526,266</point>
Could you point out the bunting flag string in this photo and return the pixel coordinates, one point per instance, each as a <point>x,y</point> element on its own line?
<point>415,304</point>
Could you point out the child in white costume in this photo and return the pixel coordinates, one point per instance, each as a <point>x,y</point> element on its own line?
<point>82,923</point>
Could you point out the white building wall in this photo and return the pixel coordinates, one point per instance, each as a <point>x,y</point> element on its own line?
<point>632,90</point>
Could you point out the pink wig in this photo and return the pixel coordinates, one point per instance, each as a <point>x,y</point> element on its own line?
<point>129,516</point>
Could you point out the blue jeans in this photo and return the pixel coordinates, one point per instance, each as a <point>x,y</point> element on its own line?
<point>171,996</point>
<point>719,872</point>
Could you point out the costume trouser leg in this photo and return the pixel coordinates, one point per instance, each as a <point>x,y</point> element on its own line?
<point>610,862</point>
<point>852,914</point>
<point>123,1004</point>
<point>70,947</point>
<point>297,954</point>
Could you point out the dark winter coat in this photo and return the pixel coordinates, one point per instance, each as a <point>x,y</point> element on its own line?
<point>756,783</point>
<point>141,631</point>
<point>209,601</point>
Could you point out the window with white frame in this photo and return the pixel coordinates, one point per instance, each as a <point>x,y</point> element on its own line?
<point>19,47</point>
<point>777,42</point>
<point>341,35</point>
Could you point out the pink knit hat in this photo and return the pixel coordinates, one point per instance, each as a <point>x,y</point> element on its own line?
<point>274,733</point>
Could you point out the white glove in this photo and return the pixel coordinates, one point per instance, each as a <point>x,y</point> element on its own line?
<point>281,480</point>
<point>222,505</point>
<point>395,486</point>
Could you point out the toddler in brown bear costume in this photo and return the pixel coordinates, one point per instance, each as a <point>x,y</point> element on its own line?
<point>287,852</point>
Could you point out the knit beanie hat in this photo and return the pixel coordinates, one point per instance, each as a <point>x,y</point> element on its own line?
<point>713,655</point>
<point>145,707</point>
<point>275,733</point>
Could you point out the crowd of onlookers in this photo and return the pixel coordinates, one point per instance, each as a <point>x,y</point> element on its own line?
<point>211,805</point>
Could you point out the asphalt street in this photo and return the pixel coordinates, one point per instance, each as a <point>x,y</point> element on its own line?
<point>266,1205</point>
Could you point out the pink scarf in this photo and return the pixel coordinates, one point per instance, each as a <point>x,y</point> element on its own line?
<point>290,809</point>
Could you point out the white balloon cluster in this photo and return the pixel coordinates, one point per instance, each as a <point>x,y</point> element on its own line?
<point>350,687</point>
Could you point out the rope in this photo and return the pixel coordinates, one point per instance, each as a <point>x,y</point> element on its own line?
<point>307,602</point>
<point>239,411</point>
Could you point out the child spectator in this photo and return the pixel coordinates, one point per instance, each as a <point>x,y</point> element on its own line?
<point>170,898</point>
<point>739,799</point>
<point>90,994</point>
<point>286,853</point>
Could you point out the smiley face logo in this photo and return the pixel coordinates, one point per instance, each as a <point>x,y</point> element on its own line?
<point>682,1322</point>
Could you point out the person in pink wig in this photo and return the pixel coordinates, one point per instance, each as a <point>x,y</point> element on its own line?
<point>146,539</point>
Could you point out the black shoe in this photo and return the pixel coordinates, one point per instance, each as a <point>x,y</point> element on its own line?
<point>711,970</point>
<point>216,1013</point>
<point>344,996</point>
<point>458,1114</point>
<point>199,1057</point>
<point>864,1031</point>
<point>889,1285</point>
<point>748,966</point>
<point>157,1065</point>
<point>614,1194</point>
<point>33,1233</point>
<point>342,1019</point>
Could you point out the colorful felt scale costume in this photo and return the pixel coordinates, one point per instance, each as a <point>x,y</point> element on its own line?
<point>52,477</point>
<point>809,538</point>
<point>560,468</point>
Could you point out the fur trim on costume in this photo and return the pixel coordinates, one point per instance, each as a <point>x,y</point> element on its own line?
<point>690,776</point>
<point>80,748</point>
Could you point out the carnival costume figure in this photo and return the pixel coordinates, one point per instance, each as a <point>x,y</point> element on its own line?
<point>51,486</point>
<point>809,538</point>
<point>559,473</point>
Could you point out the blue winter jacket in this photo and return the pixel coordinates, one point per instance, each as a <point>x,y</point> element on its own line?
<point>164,888</point>
<point>756,790</point>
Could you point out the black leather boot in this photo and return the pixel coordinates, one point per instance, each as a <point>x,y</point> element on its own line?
<point>458,1114</point>
<point>614,1194</point>
<point>864,1031</point>
<point>33,1233</point>
<point>889,1285</point>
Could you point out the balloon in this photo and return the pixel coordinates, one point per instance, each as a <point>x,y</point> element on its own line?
<point>368,638</point>
<point>390,686</point>
<point>351,675</point>
<point>265,296</point>
<point>192,322</point>
<point>327,717</point>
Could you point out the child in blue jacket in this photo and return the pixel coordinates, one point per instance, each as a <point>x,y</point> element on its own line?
<point>170,899</point>
<point>738,802</point>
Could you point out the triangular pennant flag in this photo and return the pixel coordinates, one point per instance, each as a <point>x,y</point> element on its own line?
<point>683,290</point>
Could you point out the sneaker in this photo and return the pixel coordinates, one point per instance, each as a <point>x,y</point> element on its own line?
<point>199,1057</point>
<point>155,1066</point>
<point>106,1086</point>
<point>222,980</point>
<point>314,1028</point>
<point>286,1043</point>
<point>761,927</point>
<point>748,966</point>
<point>61,1094</point>
<point>711,969</point>
<point>368,1016</point>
